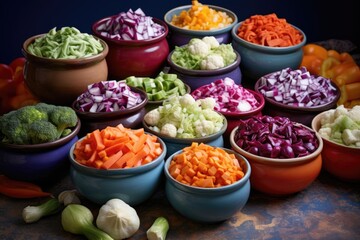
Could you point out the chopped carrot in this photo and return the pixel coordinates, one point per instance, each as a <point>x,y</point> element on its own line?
<point>117,147</point>
<point>201,17</point>
<point>205,166</point>
<point>269,30</point>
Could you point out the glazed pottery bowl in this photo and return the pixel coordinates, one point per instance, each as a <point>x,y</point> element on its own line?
<point>339,160</point>
<point>37,162</point>
<point>258,60</point>
<point>300,114</point>
<point>130,117</point>
<point>142,58</point>
<point>281,176</point>
<point>174,144</point>
<point>208,204</point>
<point>60,81</point>
<point>179,36</point>
<point>132,185</point>
<point>198,78</point>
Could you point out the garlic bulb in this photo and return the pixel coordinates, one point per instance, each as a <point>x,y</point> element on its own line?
<point>118,219</point>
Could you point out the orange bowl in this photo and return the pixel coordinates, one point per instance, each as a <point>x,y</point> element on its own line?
<point>279,177</point>
<point>339,160</point>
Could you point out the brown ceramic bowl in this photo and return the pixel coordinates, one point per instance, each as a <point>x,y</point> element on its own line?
<point>339,160</point>
<point>142,58</point>
<point>281,177</point>
<point>37,162</point>
<point>130,117</point>
<point>60,81</point>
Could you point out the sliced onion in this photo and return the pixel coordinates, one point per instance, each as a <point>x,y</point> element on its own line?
<point>297,88</point>
<point>108,96</point>
<point>130,25</point>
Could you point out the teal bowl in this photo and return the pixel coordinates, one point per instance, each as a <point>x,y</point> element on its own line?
<point>208,205</point>
<point>257,60</point>
<point>132,185</point>
<point>179,36</point>
<point>175,144</point>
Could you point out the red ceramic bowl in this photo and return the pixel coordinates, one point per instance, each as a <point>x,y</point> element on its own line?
<point>339,160</point>
<point>141,58</point>
<point>281,177</point>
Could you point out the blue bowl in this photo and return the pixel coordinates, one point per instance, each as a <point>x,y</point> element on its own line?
<point>257,60</point>
<point>208,204</point>
<point>37,162</point>
<point>179,36</point>
<point>175,144</point>
<point>198,78</point>
<point>132,185</point>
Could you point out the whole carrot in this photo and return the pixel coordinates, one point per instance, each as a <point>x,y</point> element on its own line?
<point>20,189</point>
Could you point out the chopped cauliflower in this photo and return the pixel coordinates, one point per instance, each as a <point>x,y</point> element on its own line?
<point>204,127</point>
<point>152,118</point>
<point>169,129</point>
<point>198,47</point>
<point>340,110</point>
<point>351,136</point>
<point>207,103</point>
<point>354,113</point>
<point>211,62</point>
<point>211,41</point>
<point>186,100</point>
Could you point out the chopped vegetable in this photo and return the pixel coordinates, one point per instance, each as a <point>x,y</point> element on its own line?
<point>159,88</point>
<point>275,137</point>
<point>69,197</point>
<point>297,88</point>
<point>66,43</point>
<point>228,96</point>
<point>117,147</point>
<point>32,214</point>
<point>131,25</point>
<point>342,126</point>
<point>158,229</point>
<point>201,17</point>
<point>20,189</point>
<point>205,166</point>
<point>118,219</point>
<point>204,54</point>
<point>107,96</point>
<point>183,117</point>
<point>269,30</point>
<point>78,219</point>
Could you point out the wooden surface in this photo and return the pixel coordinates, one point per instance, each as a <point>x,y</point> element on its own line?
<point>328,209</point>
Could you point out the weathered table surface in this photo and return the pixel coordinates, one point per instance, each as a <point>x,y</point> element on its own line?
<point>327,209</point>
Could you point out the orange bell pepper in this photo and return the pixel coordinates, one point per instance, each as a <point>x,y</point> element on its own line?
<point>312,63</point>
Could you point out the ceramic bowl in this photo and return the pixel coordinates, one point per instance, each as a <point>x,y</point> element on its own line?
<point>339,160</point>
<point>180,36</point>
<point>132,185</point>
<point>302,115</point>
<point>257,60</point>
<point>281,177</point>
<point>60,81</point>
<point>142,58</point>
<point>37,162</point>
<point>208,204</point>
<point>176,144</point>
<point>198,78</point>
<point>131,117</point>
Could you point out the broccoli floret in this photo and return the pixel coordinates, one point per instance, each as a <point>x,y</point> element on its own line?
<point>42,132</point>
<point>12,130</point>
<point>63,118</point>
<point>29,114</point>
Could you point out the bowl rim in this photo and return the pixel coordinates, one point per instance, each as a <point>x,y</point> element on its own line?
<point>169,14</point>
<point>44,146</point>
<point>97,115</point>
<point>63,61</point>
<point>315,125</point>
<point>258,47</point>
<point>129,42</point>
<point>283,161</point>
<point>193,72</point>
<point>112,172</point>
<point>187,140</point>
<point>185,187</point>
<point>296,108</point>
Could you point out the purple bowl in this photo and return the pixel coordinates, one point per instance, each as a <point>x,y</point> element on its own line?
<point>36,162</point>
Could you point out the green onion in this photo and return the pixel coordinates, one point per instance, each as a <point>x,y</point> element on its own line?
<point>158,229</point>
<point>32,214</point>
